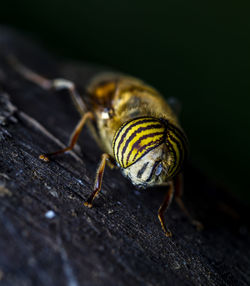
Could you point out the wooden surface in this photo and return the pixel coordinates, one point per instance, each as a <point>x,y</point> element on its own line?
<point>117,242</point>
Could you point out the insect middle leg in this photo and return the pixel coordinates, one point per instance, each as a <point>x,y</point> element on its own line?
<point>178,198</point>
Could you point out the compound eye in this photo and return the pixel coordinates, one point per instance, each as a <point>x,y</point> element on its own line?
<point>158,169</point>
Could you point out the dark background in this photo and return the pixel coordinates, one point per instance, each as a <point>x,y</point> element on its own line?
<point>196,51</point>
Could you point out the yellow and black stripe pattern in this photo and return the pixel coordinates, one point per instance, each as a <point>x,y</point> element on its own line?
<point>137,137</point>
<point>177,144</point>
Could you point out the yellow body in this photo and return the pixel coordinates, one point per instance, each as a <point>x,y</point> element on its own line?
<point>117,102</point>
<point>115,99</point>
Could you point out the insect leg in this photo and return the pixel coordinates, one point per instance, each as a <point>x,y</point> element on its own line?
<point>98,180</point>
<point>47,84</point>
<point>178,195</point>
<point>73,138</point>
<point>166,202</point>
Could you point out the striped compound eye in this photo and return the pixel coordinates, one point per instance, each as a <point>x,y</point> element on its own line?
<point>136,138</point>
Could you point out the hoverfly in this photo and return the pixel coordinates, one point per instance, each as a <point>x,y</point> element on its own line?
<point>134,126</point>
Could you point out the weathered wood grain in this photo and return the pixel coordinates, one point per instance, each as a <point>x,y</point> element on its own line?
<point>119,241</point>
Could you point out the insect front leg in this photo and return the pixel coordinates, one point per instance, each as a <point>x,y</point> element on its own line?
<point>98,179</point>
<point>73,138</point>
<point>56,84</point>
<point>178,195</point>
<point>166,203</point>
